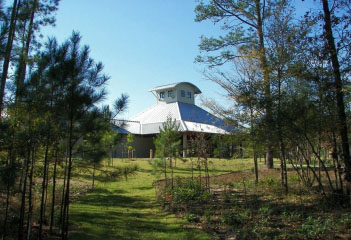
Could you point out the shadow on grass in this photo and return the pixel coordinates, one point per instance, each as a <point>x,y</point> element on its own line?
<point>188,170</point>
<point>99,177</point>
<point>126,226</point>
<point>101,198</point>
<point>104,214</point>
<point>100,190</point>
<point>145,170</point>
<point>145,188</point>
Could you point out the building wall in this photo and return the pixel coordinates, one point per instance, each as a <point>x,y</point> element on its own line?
<point>177,94</point>
<point>187,88</point>
<point>142,145</point>
<point>166,98</point>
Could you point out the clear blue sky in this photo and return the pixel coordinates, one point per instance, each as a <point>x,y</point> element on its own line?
<point>142,44</point>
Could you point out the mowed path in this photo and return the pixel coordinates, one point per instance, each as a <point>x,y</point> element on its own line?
<point>126,209</point>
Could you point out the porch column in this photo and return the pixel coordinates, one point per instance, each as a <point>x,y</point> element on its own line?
<point>185,145</point>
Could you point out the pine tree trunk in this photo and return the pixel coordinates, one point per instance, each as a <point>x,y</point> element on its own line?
<point>23,199</point>
<point>207,175</point>
<point>254,145</point>
<point>6,211</point>
<point>192,171</point>
<point>46,189</point>
<point>284,173</point>
<point>8,50</point>
<point>284,179</point>
<point>199,167</point>
<point>336,174</point>
<point>65,219</point>
<point>63,189</point>
<point>30,200</point>
<point>339,93</point>
<point>255,167</point>
<point>267,86</point>
<point>171,166</point>
<point>7,204</point>
<point>24,56</point>
<point>53,194</point>
<point>337,164</point>
<point>43,191</point>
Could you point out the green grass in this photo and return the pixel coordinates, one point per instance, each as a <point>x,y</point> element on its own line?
<point>127,209</point>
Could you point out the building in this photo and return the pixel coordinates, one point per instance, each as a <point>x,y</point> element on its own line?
<point>176,101</point>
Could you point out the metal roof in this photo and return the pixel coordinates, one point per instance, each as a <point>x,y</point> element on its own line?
<point>191,118</point>
<point>193,113</point>
<point>173,85</point>
<point>158,113</point>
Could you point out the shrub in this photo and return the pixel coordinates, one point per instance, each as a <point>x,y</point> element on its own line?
<point>185,191</point>
<point>192,218</point>
<point>265,210</point>
<point>346,220</point>
<point>231,218</point>
<point>316,227</point>
<point>157,164</point>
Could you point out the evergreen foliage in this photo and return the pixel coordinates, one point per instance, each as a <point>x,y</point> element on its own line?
<point>289,88</point>
<point>167,145</point>
<point>54,121</point>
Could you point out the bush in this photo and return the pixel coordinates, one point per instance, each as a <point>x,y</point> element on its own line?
<point>157,164</point>
<point>316,227</point>
<point>345,220</point>
<point>265,210</point>
<point>231,218</point>
<point>185,191</point>
<point>192,218</point>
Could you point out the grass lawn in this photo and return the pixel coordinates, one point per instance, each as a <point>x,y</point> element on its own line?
<point>236,207</point>
<point>127,209</point>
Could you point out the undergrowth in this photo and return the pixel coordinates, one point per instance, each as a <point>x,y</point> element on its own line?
<point>238,208</point>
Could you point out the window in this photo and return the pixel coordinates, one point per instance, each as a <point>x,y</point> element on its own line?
<point>170,93</point>
<point>188,94</point>
<point>162,94</point>
<point>182,93</point>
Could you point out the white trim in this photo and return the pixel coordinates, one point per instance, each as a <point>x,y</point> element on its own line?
<point>183,125</point>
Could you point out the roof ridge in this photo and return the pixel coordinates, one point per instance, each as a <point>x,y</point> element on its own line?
<point>179,115</point>
<point>181,119</point>
<point>172,85</point>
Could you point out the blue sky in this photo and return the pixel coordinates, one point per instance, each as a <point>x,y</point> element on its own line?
<point>142,44</point>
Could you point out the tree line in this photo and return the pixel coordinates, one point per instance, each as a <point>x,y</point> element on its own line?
<point>288,78</point>
<point>52,121</point>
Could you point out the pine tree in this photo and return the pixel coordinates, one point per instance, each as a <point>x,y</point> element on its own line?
<point>167,145</point>
<point>333,55</point>
<point>244,21</point>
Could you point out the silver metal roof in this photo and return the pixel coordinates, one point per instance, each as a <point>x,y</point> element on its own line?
<point>173,85</point>
<point>191,118</point>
